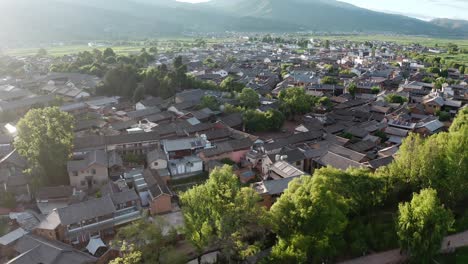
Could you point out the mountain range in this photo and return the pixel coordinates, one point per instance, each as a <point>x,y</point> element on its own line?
<point>65,20</point>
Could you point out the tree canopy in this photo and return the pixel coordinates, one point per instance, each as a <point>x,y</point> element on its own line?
<point>221,212</point>
<point>422,224</point>
<point>256,121</point>
<point>439,162</point>
<point>294,101</point>
<point>45,138</point>
<point>249,98</point>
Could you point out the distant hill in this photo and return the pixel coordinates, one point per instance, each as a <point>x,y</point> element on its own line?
<point>32,20</point>
<point>453,24</point>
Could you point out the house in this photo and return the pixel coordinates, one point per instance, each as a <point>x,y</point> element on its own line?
<point>159,195</point>
<point>189,96</point>
<point>430,127</point>
<point>8,242</point>
<point>89,172</point>
<point>12,178</point>
<point>79,222</point>
<point>281,169</point>
<point>23,105</point>
<point>186,166</point>
<point>179,148</point>
<point>432,105</point>
<point>271,190</point>
<point>36,249</point>
<point>156,160</point>
<point>337,161</point>
<point>234,150</point>
<point>138,143</point>
<point>149,102</point>
<point>50,198</point>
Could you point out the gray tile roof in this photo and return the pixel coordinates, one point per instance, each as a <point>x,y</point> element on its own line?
<point>154,155</point>
<point>143,113</point>
<point>36,249</point>
<point>93,157</point>
<point>86,210</point>
<point>339,162</point>
<point>285,170</point>
<point>156,185</point>
<point>275,187</point>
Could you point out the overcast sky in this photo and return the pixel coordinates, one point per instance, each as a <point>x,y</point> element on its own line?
<point>423,9</point>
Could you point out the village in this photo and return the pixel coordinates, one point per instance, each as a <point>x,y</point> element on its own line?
<point>272,110</point>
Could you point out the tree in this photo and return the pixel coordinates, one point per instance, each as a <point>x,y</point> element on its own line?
<point>249,98</point>
<point>422,224</point>
<point>329,80</point>
<point>256,121</point>
<point>45,138</point>
<point>108,52</point>
<point>395,99</point>
<point>444,116</point>
<point>210,102</point>
<point>42,52</point>
<point>460,121</point>
<point>327,44</point>
<point>294,101</point>
<point>147,238</point>
<point>375,90</point>
<point>309,219</point>
<point>352,89</point>
<point>230,85</point>
<point>139,94</point>
<point>222,213</point>
<point>121,80</point>
<point>128,255</point>
<point>439,162</point>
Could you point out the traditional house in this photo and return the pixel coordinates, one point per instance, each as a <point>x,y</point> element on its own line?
<point>91,171</point>
<point>36,249</point>
<point>79,222</point>
<point>159,195</point>
<point>271,190</point>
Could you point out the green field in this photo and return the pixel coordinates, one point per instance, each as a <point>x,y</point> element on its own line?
<point>66,50</point>
<point>133,47</point>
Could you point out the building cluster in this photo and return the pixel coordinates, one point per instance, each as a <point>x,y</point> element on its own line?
<point>129,157</point>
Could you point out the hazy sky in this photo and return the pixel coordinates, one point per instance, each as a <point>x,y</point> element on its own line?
<point>423,9</point>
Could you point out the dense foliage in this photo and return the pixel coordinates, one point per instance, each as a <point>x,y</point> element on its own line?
<point>222,213</point>
<point>422,224</point>
<point>45,138</point>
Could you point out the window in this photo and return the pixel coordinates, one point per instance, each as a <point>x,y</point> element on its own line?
<point>93,171</point>
<point>156,164</point>
<point>83,183</point>
<point>75,173</point>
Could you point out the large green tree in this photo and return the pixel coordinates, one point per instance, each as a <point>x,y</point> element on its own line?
<point>249,98</point>
<point>121,80</point>
<point>220,213</point>
<point>231,85</point>
<point>309,220</point>
<point>256,121</point>
<point>294,101</point>
<point>45,139</point>
<point>439,162</point>
<point>422,224</point>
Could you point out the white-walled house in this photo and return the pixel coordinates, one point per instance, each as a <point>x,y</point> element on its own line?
<point>156,160</point>
<point>89,173</point>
